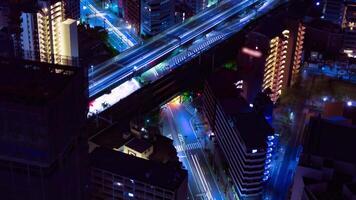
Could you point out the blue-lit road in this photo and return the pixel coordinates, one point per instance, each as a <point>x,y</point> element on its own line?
<point>282,173</point>
<point>177,124</point>
<point>120,35</point>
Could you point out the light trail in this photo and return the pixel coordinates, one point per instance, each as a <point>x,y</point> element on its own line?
<point>112,27</point>
<point>202,177</point>
<point>133,62</point>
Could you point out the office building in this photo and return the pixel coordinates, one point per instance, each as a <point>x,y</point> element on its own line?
<point>198,5</point>
<point>132,13</point>
<point>48,36</point>
<point>116,175</point>
<point>284,58</point>
<point>349,29</point>
<point>156,16</point>
<point>43,151</point>
<point>246,139</point>
<point>182,12</point>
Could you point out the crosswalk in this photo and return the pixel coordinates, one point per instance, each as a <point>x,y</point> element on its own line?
<point>188,147</point>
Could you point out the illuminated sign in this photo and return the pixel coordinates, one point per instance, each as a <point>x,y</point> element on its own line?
<point>251,52</point>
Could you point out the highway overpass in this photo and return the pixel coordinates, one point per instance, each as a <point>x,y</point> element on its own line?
<point>113,79</point>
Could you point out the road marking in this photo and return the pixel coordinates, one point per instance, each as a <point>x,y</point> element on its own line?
<point>202,177</point>
<point>188,147</point>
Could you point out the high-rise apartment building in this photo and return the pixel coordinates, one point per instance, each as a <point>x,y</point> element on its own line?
<point>48,36</point>
<point>156,16</point>
<point>49,20</point>
<point>246,139</point>
<point>29,39</point>
<point>43,149</point>
<point>284,59</point>
<point>349,29</point>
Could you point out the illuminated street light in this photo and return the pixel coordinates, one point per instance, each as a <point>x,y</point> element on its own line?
<point>349,103</point>
<point>118,183</point>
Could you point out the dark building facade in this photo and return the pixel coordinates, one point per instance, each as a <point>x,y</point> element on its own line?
<point>327,165</point>
<point>42,145</point>
<point>349,29</point>
<point>246,139</point>
<point>333,10</point>
<point>156,16</point>
<point>116,175</point>
<point>72,9</point>
<point>132,13</point>
<point>251,59</point>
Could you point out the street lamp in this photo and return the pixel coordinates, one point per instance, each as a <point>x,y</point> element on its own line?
<point>349,103</point>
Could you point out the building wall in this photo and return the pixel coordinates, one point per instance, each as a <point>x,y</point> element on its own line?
<point>252,66</point>
<point>4,19</point>
<point>29,38</point>
<point>156,16</point>
<point>333,10</point>
<point>43,149</point>
<point>349,29</point>
<point>144,155</point>
<point>72,9</point>
<point>132,13</point>
<point>246,168</point>
<point>108,185</point>
<point>199,5</point>
<point>69,38</point>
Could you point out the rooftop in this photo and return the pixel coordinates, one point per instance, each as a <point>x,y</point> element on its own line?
<point>139,145</point>
<point>164,150</point>
<point>112,137</point>
<point>253,128</point>
<point>32,82</point>
<point>147,171</point>
<point>332,140</point>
